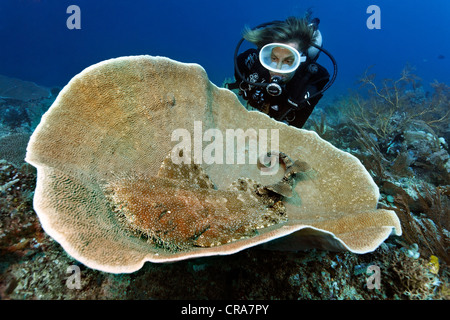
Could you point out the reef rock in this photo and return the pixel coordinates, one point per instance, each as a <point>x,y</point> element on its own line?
<point>12,88</point>
<point>107,193</point>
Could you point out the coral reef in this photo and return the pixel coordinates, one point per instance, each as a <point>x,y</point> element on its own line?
<point>430,228</point>
<point>40,270</point>
<point>13,147</point>
<point>411,267</point>
<point>400,133</point>
<point>24,116</point>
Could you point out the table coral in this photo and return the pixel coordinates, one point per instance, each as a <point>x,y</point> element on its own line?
<point>116,119</point>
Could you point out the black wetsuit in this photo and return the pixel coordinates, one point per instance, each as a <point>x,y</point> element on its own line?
<point>309,78</point>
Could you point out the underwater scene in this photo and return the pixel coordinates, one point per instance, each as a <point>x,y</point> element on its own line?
<point>224,150</point>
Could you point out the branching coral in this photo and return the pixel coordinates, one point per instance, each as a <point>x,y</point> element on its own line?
<point>436,204</point>
<point>395,104</point>
<point>430,229</point>
<point>13,147</point>
<point>399,127</point>
<point>409,278</point>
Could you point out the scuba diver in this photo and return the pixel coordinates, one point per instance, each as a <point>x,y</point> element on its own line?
<point>281,77</point>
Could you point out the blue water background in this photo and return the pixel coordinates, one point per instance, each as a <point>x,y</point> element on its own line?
<point>36,45</point>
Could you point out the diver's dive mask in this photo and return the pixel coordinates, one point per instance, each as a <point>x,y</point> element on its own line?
<point>280,58</point>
